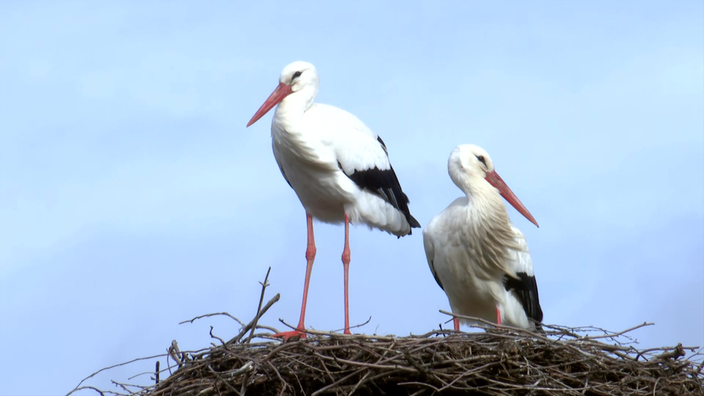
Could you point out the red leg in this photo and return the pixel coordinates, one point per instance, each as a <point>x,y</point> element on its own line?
<point>457,324</point>
<point>346,265</point>
<point>498,316</point>
<point>310,257</point>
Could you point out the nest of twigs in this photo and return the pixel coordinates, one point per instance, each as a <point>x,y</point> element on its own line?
<point>503,361</point>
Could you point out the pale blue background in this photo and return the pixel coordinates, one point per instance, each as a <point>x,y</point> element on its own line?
<point>132,197</point>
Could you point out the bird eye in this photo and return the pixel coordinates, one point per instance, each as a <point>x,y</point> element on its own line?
<point>481,159</point>
<point>296,75</point>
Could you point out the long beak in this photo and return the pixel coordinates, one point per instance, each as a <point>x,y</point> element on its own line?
<point>275,98</point>
<point>495,180</point>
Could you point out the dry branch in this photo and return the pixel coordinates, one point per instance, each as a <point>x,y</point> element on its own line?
<point>501,361</point>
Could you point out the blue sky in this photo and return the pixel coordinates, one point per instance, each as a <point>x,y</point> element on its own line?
<point>132,196</point>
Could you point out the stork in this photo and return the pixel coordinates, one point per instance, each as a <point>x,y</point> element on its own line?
<point>338,167</point>
<point>477,257</point>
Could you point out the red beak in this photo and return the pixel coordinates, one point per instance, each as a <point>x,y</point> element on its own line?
<point>275,98</point>
<point>495,180</point>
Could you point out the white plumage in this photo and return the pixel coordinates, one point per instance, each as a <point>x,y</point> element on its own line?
<point>336,144</point>
<point>479,259</point>
<point>338,167</point>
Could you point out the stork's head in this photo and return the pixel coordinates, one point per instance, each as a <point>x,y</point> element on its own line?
<point>472,170</point>
<point>469,161</point>
<point>298,76</point>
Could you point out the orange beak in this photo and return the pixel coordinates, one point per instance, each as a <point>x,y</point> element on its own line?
<point>495,180</point>
<point>275,98</point>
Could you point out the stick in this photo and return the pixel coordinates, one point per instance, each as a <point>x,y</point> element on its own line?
<point>259,308</point>
<point>249,325</point>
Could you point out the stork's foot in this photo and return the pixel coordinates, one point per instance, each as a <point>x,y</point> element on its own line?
<point>291,335</point>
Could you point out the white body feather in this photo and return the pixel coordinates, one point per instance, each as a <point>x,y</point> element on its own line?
<point>473,282</point>
<point>471,289</point>
<point>310,146</point>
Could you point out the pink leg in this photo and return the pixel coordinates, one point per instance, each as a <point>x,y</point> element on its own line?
<point>310,257</point>
<point>346,265</point>
<point>456,321</point>
<point>498,316</point>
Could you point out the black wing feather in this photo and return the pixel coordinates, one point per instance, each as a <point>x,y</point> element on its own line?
<point>284,175</point>
<point>526,288</point>
<point>432,269</point>
<point>383,145</point>
<point>385,184</point>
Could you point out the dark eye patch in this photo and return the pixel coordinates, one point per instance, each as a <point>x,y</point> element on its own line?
<point>481,159</point>
<point>296,75</point>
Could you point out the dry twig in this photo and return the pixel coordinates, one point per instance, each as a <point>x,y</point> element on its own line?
<point>501,361</point>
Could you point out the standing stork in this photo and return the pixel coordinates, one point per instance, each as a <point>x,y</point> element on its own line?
<point>338,167</point>
<point>477,257</point>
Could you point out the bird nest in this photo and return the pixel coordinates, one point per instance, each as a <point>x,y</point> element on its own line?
<point>499,361</point>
